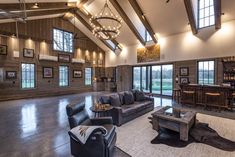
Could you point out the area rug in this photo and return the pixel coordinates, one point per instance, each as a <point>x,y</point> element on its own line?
<point>200,133</point>
<point>120,153</point>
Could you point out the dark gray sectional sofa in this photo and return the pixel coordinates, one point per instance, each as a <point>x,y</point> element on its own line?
<point>127,105</point>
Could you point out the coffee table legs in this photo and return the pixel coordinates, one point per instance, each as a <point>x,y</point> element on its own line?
<point>184,132</point>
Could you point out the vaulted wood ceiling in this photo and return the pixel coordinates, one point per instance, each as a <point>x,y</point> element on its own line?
<point>156,16</point>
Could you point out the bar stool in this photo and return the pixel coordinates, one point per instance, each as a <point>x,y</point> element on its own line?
<point>216,100</point>
<point>232,105</point>
<point>188,94</point>
<point>176,94</point>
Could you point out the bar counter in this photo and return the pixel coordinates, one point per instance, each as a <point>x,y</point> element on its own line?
<point>206,95</point>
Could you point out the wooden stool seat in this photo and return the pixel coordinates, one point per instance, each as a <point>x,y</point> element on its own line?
<point>189,97</point>
<point>189,92</point>
<point>216,97</point>
<point>213,94</point>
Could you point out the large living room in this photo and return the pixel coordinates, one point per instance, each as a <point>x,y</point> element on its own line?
<point>117,78</point>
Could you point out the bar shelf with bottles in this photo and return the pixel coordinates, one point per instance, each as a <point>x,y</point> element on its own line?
<point>229,70</point>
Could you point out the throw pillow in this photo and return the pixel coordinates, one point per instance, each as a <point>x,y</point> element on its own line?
<point>140,96</point>
<point>121,96</point>
<point>115,101</point>
<point>134,93</point>
<point>128,98</point>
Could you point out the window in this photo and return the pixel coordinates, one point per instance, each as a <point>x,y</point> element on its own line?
<point>206,15</point>
<point>206,72</point>
<point>147,36</point>
<point>63,76</point>
<point>62,40</point>
<point>27,76</point>
<point>88,76</point>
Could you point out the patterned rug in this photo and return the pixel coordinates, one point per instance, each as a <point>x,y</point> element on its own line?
<point>120,153</point>
<point>200,133</point>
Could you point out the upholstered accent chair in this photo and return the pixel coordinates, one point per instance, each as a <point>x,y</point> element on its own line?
<point>98,144</point>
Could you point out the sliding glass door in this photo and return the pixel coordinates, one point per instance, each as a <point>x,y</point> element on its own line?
<point>157,79</point>
<point>145,73</point>
<point>137,78</point>
<point>167,79</point>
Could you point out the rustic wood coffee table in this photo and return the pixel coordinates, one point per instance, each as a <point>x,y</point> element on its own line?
<point>174,119</point>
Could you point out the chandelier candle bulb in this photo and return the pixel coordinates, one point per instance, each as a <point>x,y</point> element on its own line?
<point>106,25</point>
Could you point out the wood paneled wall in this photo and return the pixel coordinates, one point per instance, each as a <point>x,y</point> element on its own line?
<point>37,35</point>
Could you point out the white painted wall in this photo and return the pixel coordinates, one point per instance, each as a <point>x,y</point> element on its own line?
<point>184,46</point>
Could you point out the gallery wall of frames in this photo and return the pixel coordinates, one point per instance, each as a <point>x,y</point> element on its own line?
<point>30,67</point>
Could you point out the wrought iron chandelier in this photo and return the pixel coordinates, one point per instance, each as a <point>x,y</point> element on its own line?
<point>106,25</point>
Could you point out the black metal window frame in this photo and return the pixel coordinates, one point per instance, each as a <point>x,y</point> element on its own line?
<point>204,17</point>
<point>62,79</point>
<point>204,72</point>
<point>34,74</point>
<point>62,41</point>
<point>85,78</point>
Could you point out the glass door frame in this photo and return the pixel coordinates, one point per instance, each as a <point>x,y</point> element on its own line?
<point>150,79</point>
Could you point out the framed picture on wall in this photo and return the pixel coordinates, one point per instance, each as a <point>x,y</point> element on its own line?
<point>11,75</point>
<point>184,71</point>
<point>3,49</point>
<point>47,72</point>
<point>184,80</point>
<point>77,73</point>
<point>63,58</point>
<point>100,62</point>
<point>29,53</point>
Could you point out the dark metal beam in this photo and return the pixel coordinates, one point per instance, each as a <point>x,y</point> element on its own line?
<point>191,16</point>
<point>127,20</point>
<point>143,19</point>
<point>217,7</point>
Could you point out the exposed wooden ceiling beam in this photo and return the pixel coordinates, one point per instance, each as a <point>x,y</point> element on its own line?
<point>88,26</point>
<point>35,13</point>
<point>143,19</point>
<point>191,16</point>
<point>16,6</point>
<point>127,20</point>
<point>217,6</point>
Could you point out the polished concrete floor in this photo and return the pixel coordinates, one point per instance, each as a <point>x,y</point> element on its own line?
<point>39,127</point>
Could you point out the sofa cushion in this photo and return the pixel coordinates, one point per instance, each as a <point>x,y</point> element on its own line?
<point>142,105</point>
<point>128,110</point>
<point>115,100</point>
<point>121,96</point>
<point>128,98</point>
<point>140,96</point>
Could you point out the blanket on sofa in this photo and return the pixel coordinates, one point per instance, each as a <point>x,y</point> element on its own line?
<point>82,132</point>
